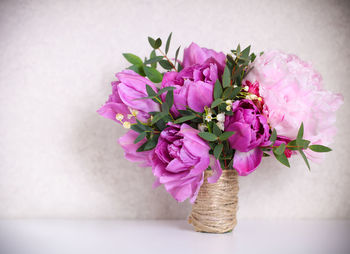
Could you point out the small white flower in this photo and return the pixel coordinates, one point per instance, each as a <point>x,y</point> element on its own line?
<point>208,118</point>
<point>126,125</point>
<point>119,117</point>
<point>202,127</point>
<point>221,125</point>
<point>228,102</point>
<point>234,86</point>
<point>221,117</point>
<point>228,108</point>
<point>246,88</point>
<point>134,112</point>
<point>251,97</point>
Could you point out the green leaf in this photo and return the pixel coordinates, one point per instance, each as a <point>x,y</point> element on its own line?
<point>169,98</point>
<point>279,150</point>
<point>158,117</point>
<point>158,43</point>
<point>216,130</point>
<point>231,93</point>
<point>153,75</point>
<point>140,137</point>
<point>152,42</point>
<point>137,128</point>
<point>282,158</point>
<point>165,107</point>
<point>217,102</point>
<point>208,136</point>
<point>218,150</point>
<point>133,59</point>
<point>226,78</point>
<point>166,89</point>
<point>245,52</point>
<point>185,112</point>
<point>150,144</point>
<point>300,132</point>
<point>154,60</point>
<point>179,67</point>
<point>273,136</point>
<point>143,126</point>
<point>305,159</point>
<point>303,144</point>
<point>165,64</point>
<point>217,89</point>
<point>168,43</point>
<point>153,55</point>
<point>150,91</point>
<point>226,135</point>
<point>177,53</point>
<point>138,69</point>
<point>320,148</point>
<point>185,118</point>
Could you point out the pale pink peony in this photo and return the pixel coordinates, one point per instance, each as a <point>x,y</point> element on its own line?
<point>292,92</point>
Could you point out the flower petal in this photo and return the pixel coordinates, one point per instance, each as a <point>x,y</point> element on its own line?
<point>246,162</point>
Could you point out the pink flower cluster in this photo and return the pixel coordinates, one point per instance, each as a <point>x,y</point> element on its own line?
<point>281,92</point>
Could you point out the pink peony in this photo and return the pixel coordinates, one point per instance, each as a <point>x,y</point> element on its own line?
<point>123,104</point>
<point>197,55</point>
<point>195,83</point>
<point>179,161</point>
<point>293,94</point>
<point>130,153</point>
<point>251,131</point>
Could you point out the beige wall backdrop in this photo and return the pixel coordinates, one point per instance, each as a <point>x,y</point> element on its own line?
<point>60,159</point>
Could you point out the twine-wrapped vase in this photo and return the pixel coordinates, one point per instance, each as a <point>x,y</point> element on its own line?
<point>215,208</point>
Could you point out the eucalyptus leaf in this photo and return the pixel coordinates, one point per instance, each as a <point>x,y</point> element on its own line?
<point>218,150</point>
<point>157,43</point>
<point>282,158</point>
<point>168,43</point>
<point>226,135</point>
<point>320,148</point>
<point>141,136</point>
<point>226,78</point>
<point>279,150</point>
<point>165,89</point>
<point>169,98</point>
<point>217,102</point>
<point>273,136</point>
<point>185,118</point>
<point>153,75</point>
<point>152,42</point>
<point>153,60</point>
<point>158,117</point>
<point>133,59</point>
<point>165,64</point>
<point>305,159</point>
<point>217,89</point>
<point>208,136</point>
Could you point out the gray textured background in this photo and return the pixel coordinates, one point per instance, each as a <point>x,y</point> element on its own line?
<point>59,159</point>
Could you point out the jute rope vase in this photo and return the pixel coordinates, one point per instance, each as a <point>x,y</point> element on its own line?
<point>215,208</point>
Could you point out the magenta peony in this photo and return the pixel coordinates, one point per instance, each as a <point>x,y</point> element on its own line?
<point>251,131</point>
<point>195,83</point>
<point>293,94</point>
<point>179,160</point>
<point>197,55</point>
<point>130,149</point>
<point>123,104</point>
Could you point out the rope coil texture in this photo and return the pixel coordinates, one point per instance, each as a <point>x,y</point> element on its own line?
<point>215,208</point>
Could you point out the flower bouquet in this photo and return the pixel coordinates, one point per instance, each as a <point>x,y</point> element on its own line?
<point>210,117</point>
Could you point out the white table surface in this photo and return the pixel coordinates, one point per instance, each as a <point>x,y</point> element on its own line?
<point>100,237</point>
